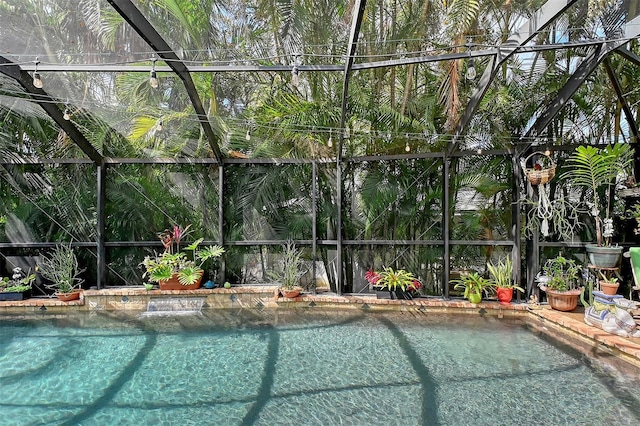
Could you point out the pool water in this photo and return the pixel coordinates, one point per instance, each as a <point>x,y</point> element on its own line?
<point>301,367</point>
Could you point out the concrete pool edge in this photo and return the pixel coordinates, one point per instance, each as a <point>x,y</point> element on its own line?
<point>560,325</point>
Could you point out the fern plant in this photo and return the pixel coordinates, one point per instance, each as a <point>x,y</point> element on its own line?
<point>596,170</point>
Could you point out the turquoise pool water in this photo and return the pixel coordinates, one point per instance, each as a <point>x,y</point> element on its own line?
<point>302,367</point>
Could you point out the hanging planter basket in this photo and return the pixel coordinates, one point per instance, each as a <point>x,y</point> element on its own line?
<point>539,176</point>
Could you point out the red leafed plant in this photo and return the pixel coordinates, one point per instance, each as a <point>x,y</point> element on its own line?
<point>372,276</point>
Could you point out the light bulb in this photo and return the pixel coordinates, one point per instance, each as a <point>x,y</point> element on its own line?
<point>295,78</point>
<point>248,135</point>
<point>547,152</point>
<point>479,151</point>
<point>330,141</point>
<point>159,126</point>
<point>153,79</point>
<point>67,114</point>
<point>37,81</point>
<point>471,70</point>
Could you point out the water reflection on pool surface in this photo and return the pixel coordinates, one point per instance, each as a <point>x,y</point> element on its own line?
<point>301,367</point>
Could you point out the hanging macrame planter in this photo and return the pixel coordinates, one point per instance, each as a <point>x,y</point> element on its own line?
<point>540,172</point>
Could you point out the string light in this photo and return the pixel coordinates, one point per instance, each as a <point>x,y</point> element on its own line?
<point>295,73</point>
<point>407,148</point>
<point>67,114</point>
<point>330,141</point>
<point>547,152</point>
<point>248,135</point>
<point>153,77</point>
<point>471,71</point>
<point>37,81</point>
<point>159,125</point>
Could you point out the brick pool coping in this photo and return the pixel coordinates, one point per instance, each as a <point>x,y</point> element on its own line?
<point>567,326</point>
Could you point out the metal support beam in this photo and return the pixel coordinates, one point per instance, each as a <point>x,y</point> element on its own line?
<point>223,264</point>
<point>628,55</point>
<point>358,13</point>
<point>633,126</point>
<point>10,69</point>
<point>586,67</point>
<point>446,235</point>
<point>314,222</point>
<point>636,148</point>
<point>143,27</point>
<point>230,68</point>
<point>547,13</point>
<point>101,195</point>
<point>516,222</point>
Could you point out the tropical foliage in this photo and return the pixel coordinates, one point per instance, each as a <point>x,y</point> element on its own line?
<point>275,116</point>
<point>597,170</point>
<point>176,262</point>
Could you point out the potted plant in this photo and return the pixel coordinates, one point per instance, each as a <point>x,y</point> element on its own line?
<point>596,171</point>
<point>290,273</point>
<point>60,267</point>
<point>174,269</point>
<point>474,285</point>
<point>560,283</point>
<point>502,276</point>
<point>608,284</point>
<point>18,287</point>
<point>393,284</point>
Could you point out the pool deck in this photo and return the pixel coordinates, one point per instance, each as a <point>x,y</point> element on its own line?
<point>569,326</point>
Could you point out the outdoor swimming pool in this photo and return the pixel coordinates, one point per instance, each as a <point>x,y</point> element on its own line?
<point>300,367</point>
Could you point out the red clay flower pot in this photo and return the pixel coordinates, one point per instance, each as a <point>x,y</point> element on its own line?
<point>504,295</point>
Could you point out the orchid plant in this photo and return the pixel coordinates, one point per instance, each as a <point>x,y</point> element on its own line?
<point>596,171</point>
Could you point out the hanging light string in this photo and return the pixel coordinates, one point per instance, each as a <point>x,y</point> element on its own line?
<point>37,80</point>
<point>270,126</point>
<point>339,56</point>
<point>153,77</point>
<point>294,128</point>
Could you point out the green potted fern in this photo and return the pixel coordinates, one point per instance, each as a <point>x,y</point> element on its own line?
<point>595,171</point>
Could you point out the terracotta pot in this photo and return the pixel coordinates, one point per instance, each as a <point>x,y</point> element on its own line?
<point>66,297</point>
<point>609,288</point>
<point>174,284</point>
<point>290,293</point>
<point>563,300</point>
<point>504,295</point>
